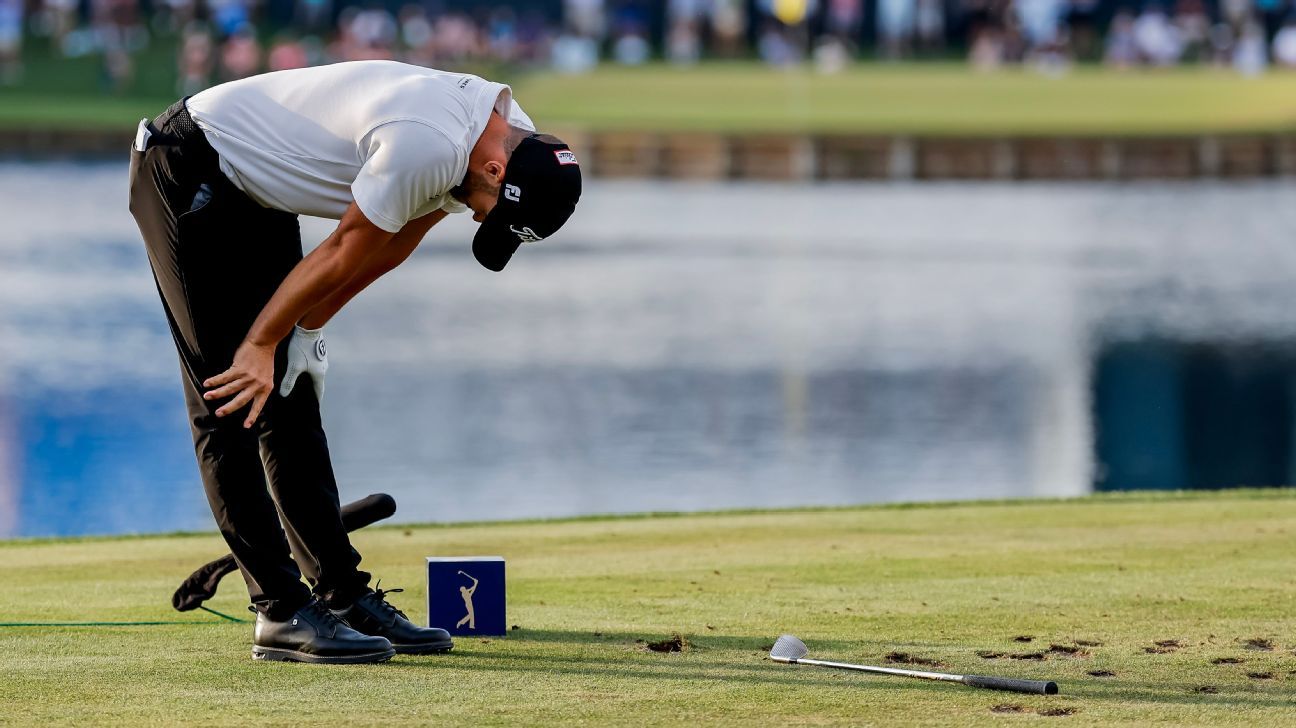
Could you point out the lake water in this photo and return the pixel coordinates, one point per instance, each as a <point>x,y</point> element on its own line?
<point>677,347</point>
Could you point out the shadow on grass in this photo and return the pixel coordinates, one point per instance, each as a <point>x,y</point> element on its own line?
<point>756,670</point>
<point>760,673</point>
<point>1178,693</point>
<point>770,673</point>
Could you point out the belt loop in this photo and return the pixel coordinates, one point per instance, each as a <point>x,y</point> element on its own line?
<point>143,133</point>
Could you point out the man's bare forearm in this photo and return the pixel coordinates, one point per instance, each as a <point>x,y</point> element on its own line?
<point>321,273</point>
<point>392,254</point>
<point>374,268</point>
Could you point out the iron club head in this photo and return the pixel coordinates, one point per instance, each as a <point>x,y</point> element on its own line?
<point>788,647</point>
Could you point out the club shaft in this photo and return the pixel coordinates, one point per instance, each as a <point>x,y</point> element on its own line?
<point>874,669</point>
<point>1040,687</point>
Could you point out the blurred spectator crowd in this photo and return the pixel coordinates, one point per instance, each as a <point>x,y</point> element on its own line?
<point>218,40</point>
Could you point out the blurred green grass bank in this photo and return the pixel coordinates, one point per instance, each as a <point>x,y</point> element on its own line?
<point>925,99</point>
<point>742,120</point>
<point>1170,609</point>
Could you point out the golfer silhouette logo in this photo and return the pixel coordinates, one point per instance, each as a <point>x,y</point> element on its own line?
<point>467,593</point>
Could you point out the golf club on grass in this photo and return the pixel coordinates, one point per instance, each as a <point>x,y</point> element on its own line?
<point>792,651</point>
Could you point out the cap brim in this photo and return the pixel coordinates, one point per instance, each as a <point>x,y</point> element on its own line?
<point>494,243</point>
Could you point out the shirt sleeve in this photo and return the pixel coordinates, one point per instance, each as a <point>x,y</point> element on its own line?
<point>407,165</point>
<point>517,117</point>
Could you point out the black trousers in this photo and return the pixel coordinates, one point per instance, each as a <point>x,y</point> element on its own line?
<point>218,257</point>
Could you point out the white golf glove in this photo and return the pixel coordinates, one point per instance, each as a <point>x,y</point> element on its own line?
<point>308,355</point>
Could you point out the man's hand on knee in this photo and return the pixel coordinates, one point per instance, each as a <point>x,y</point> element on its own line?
<point>249,380</point>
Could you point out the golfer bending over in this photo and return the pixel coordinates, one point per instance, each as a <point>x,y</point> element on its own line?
<point>216,184</point>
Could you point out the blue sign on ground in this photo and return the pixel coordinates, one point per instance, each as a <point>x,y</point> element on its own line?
<point>465,594</point>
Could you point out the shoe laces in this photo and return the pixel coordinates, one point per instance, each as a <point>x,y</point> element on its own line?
<point>317,609</point>
<point>326,617</point>
<point>380,595</point>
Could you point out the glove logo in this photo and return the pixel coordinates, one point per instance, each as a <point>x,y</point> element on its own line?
<point>513,192</point>
<point>321,351</point>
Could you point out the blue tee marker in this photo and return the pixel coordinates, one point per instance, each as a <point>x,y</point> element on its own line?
<point>465,594</point>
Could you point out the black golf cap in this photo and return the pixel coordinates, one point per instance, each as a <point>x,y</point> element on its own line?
<point>542,183</point>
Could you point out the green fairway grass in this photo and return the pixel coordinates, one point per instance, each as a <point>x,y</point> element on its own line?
<point>1113,576</point>
<point>936,99</point>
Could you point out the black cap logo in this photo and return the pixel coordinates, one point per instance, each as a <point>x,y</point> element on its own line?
<point>525,234</point>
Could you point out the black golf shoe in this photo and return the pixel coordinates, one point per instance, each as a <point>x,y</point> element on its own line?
<point>314,634</point>
<point>372,614</point>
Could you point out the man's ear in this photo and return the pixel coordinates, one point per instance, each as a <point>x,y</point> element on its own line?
<point>495,171</point>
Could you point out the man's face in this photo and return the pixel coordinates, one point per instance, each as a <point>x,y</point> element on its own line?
<point>481,202</point>
<point>480,191</point>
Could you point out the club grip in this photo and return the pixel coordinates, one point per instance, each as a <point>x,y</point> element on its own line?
<point>1039,687</point>
<point>367,511</point>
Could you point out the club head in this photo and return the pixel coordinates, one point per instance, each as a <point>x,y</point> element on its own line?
<point>789,648</point>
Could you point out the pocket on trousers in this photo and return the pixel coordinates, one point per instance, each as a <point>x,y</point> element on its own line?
<point>212,271</point>
<point>202,199</point>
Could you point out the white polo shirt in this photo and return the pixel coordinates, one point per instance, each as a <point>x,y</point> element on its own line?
<point>393,137</point>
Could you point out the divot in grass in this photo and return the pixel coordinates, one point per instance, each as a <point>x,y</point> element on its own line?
<point>1068,650</point>
<point>904,658</point>
<point>674,643</point>
<point>1036,656</point>
<point>1162,647</point>
<point>1013,708</point>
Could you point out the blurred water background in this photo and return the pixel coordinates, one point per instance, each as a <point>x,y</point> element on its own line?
<point>694,346</point>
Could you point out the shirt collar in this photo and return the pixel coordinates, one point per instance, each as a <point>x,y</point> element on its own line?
<point>490,97</point>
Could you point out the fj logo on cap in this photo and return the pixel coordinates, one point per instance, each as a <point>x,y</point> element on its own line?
<point>526,234</point>
<point>512,192</point>
<point>565,156</point>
